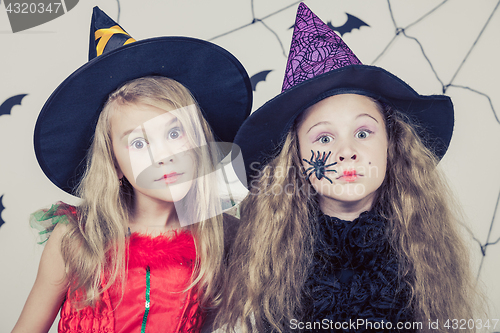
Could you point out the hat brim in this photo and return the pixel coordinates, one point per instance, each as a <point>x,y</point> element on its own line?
<point>66,124</point>
<point>261,136</point>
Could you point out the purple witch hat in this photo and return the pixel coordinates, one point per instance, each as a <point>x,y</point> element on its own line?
<point>321,65</point>
<point>315,49</point>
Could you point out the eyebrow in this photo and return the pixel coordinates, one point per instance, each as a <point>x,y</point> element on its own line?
<point>367,115</point>
<point>136,130</point>
<point>317,124</point>
<point>140,129</point>
<point>328,123</point>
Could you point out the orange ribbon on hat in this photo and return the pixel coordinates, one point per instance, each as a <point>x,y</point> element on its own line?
<point>106,34</point>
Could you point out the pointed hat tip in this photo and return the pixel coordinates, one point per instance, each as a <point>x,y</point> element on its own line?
<point>315,49</point>
<point>104,29</point>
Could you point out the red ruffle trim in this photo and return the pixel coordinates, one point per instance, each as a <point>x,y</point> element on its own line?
<point>161,251</point>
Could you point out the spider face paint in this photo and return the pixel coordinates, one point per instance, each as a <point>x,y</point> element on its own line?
<point>352,128</point>
<point>319,167</point>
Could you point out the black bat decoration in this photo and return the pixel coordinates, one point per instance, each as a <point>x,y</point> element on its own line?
<point>318,166</point>
<point>6,106</point>
<point>352,23</point>
<point>261,76</point>
<point>1,210</point>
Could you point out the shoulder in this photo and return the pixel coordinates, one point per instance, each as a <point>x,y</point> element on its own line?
<point>47,219</point>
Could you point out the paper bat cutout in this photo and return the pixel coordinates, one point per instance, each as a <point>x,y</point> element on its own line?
<point>261,76</point>
<point>6,106</point>
<point>1,210</point>
<point>352,23</point>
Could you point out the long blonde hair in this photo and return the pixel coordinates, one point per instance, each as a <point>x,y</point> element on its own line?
<point>273,249</point>
<point>94,247</point>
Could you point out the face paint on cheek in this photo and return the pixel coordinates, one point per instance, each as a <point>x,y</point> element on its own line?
<point>318,166</point>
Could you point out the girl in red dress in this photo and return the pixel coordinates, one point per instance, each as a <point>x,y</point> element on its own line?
<point>143,252</point>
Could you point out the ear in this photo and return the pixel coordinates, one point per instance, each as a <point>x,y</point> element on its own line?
<point>119,172</point>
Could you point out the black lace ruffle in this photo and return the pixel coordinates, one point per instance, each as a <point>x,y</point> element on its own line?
<point>355,276</point>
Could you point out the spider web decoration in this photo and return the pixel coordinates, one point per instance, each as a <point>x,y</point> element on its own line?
<point>403,31</point>
<point>256,20</point>
<point>313,44</point>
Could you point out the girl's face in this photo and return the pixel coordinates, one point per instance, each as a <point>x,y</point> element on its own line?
<point>352,130</point>
<point>152,151</point>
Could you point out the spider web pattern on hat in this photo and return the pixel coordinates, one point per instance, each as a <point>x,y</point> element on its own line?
<point>315,49</point>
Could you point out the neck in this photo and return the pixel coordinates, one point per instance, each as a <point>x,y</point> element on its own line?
<point>153,216</point>
<point>345,210</point>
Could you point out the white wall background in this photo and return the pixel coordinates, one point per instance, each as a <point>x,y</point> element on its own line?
<point>35,61</point>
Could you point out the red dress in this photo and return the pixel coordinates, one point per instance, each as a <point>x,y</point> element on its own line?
<point>154,299</point>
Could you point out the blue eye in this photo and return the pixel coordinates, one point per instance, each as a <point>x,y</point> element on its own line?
<point>325,139</point>
<point>363,134</point>
<point>138,143</point>
<point>174,133</point>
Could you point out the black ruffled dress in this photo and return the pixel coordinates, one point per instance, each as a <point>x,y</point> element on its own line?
<point>354,285</point>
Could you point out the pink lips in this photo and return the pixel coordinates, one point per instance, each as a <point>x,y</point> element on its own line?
<point>170,178</point>
<point>350,175</point>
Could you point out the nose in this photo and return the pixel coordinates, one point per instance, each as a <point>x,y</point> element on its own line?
<point>347,153</point>
<point>160,154</point>
<point>353,157</point>
<point>169,159</point>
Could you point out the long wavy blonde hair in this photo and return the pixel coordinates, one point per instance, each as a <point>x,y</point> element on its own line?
<point>272,253</point>
<point>94,246</point>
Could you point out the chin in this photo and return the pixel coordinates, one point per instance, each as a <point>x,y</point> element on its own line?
<point>166,194</point>
<point>348,193</point>
<point>179,192</point>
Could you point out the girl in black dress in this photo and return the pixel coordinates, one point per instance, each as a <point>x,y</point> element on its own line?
<point>349,225</point>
